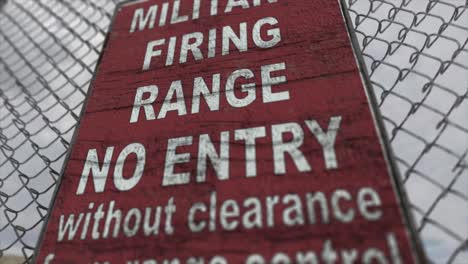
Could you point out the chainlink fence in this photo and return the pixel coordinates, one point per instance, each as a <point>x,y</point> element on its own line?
<point>416,53</point>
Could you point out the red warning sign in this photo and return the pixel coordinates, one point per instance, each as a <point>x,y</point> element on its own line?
<point>228,131</point>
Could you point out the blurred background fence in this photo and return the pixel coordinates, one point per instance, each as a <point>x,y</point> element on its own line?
<point>416,52</point>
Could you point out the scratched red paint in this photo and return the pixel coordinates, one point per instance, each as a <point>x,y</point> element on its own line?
<point>323,82</point>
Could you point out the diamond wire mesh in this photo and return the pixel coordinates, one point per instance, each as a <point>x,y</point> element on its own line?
<point>415,51</point>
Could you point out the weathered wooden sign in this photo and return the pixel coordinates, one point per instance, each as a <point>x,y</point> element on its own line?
<point>228,131</point>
